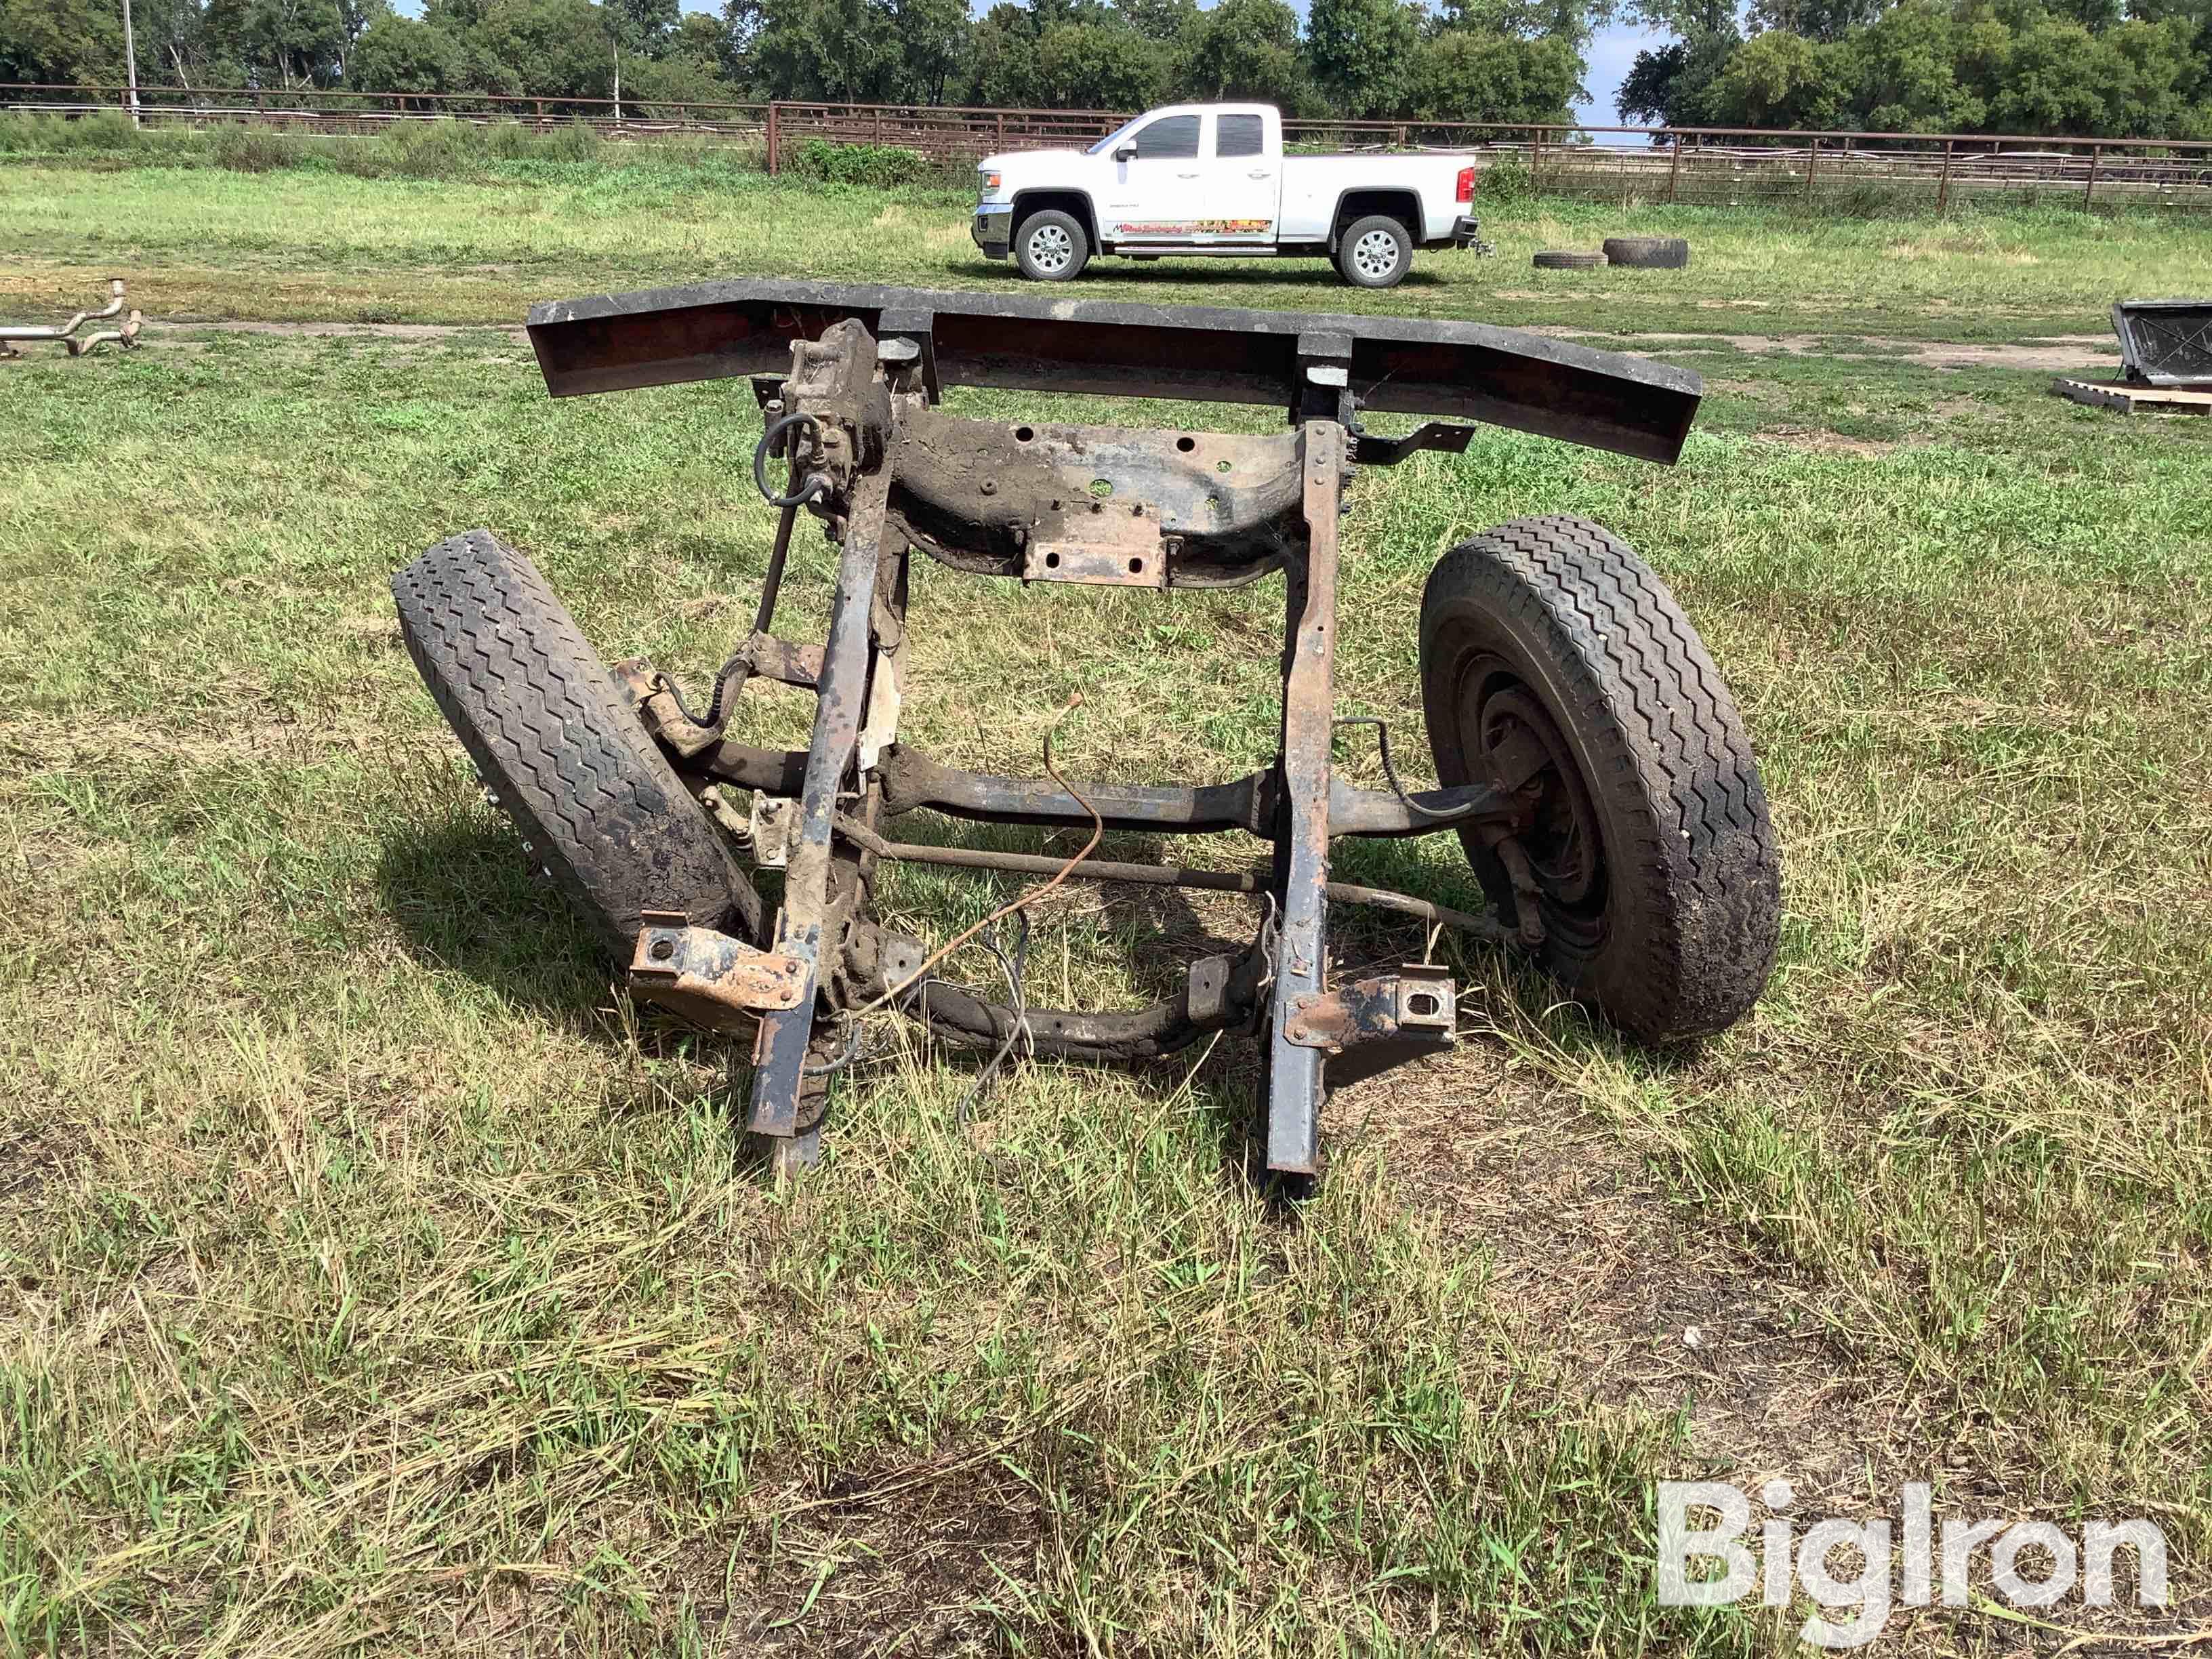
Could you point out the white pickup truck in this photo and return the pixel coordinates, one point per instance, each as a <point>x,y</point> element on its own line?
<point>1211,180</point>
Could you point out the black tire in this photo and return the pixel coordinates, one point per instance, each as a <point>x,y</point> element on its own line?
<point>1647,252</point>
<point>1376,252</point>
<point>1549,637</point>
<point>1555,260</point>
<point>1051,246</point>
<point>597,804</point>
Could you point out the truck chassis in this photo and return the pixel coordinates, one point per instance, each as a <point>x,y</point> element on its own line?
<point>631,798</point>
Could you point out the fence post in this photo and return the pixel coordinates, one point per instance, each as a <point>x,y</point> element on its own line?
<point>2089,194</point>
<point>1812,165</point>
<point>775,125</point>
<point>1001,143</point>
<point>1674,170</point>
<point>1943,179</point>
<point>1535,159</point>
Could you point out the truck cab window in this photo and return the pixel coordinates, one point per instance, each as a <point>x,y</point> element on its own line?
<point>1238,134</point>
<point>1171,138</point>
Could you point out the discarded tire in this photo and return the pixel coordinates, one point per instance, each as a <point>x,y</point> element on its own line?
<point>1558,261</point>
<point>600,807</point>
<point>1554,663</point>
<point>1647,252</point>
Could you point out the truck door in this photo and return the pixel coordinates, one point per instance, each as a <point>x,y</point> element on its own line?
<point>1243,183</point>
<point>1158,194</point>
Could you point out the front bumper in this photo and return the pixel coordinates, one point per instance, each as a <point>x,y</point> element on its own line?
<point>993,230</point>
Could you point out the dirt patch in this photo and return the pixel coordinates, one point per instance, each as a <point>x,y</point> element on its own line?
<point>1814,442</point>
<point>1644,1308</point>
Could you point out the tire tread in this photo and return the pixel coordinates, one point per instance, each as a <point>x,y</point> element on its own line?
<point>571,764</point>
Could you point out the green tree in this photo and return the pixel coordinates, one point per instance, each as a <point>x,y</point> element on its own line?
<point>841,50</point>
<point>932,36</point>
<point>1459,75</point>
<point>642,28</point>
<point>1098,66</point>
<point>1246,49</point>
<point>1573,20</point>
<point>64,41</point>
<point>404,54</point>
<point>1906,68</point>
<point>1816,19</point>
<point>1672,85</point>
<point>1162,20</point>
<point>1361,53</point>
<point>1779,80</point>
<point>1000,67</point>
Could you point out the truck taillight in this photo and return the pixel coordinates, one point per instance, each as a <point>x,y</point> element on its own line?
<point>1465,184</point>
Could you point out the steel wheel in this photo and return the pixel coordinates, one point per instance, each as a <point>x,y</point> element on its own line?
<point>1050,249</point>
<point>1555,667</point>
<point>1375,254</point>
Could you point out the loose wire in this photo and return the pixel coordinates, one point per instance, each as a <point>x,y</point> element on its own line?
<point>1389,772</point>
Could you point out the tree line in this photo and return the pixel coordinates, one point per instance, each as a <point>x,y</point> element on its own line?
<point>2118,67</point>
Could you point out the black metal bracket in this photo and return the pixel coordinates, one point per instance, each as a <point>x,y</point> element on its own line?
<point>1367,450</point>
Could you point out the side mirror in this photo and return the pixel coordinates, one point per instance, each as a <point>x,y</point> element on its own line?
<point>1127,153</point>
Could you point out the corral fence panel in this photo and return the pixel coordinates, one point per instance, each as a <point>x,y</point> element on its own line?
<point>1721,166</point>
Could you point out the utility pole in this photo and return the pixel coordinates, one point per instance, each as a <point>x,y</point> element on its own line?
<point>131,61</point>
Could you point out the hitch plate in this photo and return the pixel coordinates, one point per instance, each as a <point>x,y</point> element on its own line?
<point>707,977</point>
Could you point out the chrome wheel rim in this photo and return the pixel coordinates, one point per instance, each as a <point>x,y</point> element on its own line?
<point>1051,248</point>
<point>1375,254</point>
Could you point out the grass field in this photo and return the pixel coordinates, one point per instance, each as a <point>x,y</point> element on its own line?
<point>373,1279</point>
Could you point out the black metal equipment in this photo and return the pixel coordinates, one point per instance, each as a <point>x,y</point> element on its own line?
<point>849,378</point>
<point>2165,343</point>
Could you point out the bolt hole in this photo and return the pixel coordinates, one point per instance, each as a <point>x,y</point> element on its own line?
<point>1186,445</point>
<point>662,950</point>
<point>1423,1004</point>
<point>1136,567</point>
<point>1221,466</point>
<point>1101,487</point>
<point>1052,561</point>
<point>1023,434</point>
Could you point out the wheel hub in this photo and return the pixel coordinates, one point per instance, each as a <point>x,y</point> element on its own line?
<point>1526,756</point>
<point>1050,248</point>
<point>1376,253</point>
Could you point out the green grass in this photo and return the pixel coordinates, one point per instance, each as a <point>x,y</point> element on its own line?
<point>479,246</point>
<point>371,1276</point>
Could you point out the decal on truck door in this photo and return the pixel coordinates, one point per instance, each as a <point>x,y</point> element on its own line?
<point>1196,227</point>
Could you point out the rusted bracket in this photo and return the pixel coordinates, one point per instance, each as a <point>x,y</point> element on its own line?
<point>1418,1001</point>
<point>709,978</point>
<point>1367,450</point>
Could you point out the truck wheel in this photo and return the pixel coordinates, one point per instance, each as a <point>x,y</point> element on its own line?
<point>598,806</point>
<point>1051,247</point>
<point>1556,664</point>
<point>1376,252</point>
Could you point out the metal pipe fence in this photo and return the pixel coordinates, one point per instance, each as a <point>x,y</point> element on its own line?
<point>1631,165</point>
